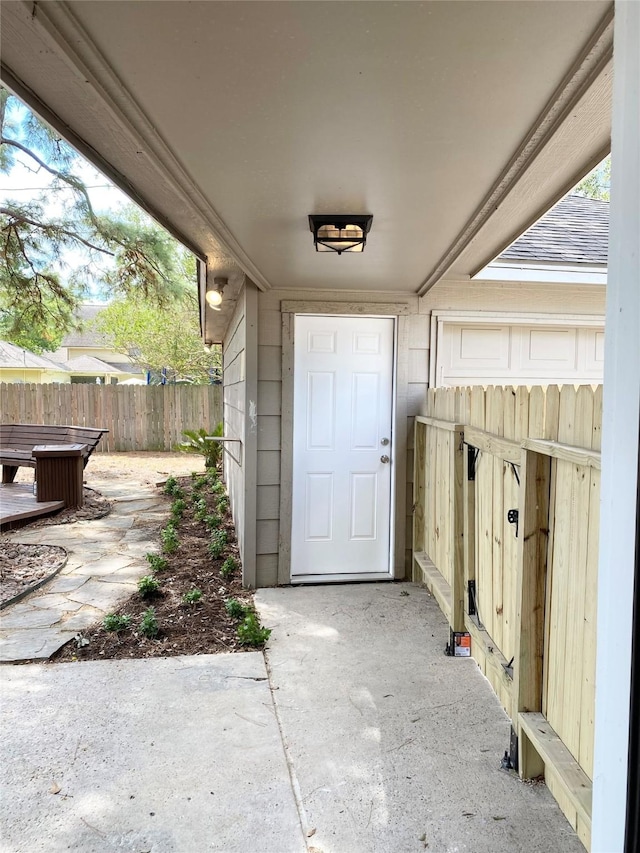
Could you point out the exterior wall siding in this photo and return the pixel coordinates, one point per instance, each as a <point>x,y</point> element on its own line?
<point>478,295</point>
<point>233,381</point>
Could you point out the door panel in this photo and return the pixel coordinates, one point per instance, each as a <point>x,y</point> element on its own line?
<point>343,387</point>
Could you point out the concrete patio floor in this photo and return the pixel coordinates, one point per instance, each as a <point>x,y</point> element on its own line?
<point>357,736</point>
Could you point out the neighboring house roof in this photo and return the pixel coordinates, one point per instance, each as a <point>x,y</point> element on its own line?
<point>126,366</point>
<point>84,338</point>
<point>575,231</point>
<point>15,357</point>
<point>90,365</point>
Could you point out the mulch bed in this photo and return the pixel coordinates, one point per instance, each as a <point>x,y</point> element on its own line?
<point>25,567</point>
<point>204,627</point>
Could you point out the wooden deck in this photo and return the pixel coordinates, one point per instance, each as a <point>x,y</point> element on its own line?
<point>18,505</point>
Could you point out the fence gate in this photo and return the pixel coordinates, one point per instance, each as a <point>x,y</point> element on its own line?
<point>496,548</point>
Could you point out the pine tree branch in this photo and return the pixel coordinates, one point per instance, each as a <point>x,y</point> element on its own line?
<point>50,229</point>
<point>71,181</point>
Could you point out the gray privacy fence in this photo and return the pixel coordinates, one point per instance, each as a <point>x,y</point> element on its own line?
<point>138,417</point>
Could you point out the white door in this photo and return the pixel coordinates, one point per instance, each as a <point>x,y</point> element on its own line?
<point>343,390</point>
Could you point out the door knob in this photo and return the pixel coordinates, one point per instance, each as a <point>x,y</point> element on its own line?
<point>384,442</point>
<point>384,458</point>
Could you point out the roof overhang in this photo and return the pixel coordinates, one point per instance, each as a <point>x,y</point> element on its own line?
<point>456,124</point>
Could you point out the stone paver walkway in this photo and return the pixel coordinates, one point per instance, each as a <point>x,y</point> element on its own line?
<point>105,560</point>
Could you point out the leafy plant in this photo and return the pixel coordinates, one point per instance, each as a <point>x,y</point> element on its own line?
<point>149,624</point>
<point>192,597</point>
<point>157,563</point>
<point>200,482</point>
<point>212,521</point>
<point>113,622</point>
<point>177,509</point>
<point>217,544</point>
<point>223,505</point>
<point>199,441</point>
<point>217,487</point>
<point>228,568</point>
<point>169,537</point>
<point>251,633</point>
<point>148,586</point>
<point>200,509</point>
<point>235,608</point>
<point>172,488</point>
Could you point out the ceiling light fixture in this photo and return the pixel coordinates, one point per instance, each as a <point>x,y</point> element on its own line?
<point>214,297</point>
<point>340,233</point>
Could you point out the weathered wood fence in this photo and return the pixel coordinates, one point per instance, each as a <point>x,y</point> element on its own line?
<point>138,417</point>
<point>506,520</point>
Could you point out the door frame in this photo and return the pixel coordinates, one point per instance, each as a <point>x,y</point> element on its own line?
<point>397,311</point>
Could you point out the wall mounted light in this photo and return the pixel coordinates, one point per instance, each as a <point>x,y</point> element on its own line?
<point>214,296</point>
<point>339,232</point>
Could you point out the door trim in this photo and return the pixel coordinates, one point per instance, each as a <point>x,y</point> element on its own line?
<point>397,312</point>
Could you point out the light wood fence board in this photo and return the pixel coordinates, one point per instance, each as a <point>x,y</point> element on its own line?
<point>596,438</point>
<point>137,417</point>
<point>587,711</point>
<point>495,598</point>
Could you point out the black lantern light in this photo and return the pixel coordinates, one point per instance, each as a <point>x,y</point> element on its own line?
<point>340,233</point>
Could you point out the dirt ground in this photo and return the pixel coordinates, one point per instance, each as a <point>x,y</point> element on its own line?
<point>137,467</point>
<point>203,626</point>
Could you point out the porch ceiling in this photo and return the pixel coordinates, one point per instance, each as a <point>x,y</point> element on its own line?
<point>455,124</point>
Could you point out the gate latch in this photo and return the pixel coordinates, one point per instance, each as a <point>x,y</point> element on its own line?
<point>512,518</point>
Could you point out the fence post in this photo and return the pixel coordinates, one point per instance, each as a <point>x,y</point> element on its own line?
<point>531,569</point>
<point>468,524</point>
<point>458,584</point>
<point>419,465</point>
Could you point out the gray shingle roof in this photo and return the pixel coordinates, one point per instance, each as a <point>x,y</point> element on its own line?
<point>89,364</point>
<point>575,231</point>
<point>88,338</point>
<point>16,357</point>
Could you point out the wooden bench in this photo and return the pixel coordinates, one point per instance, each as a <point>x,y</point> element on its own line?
<point>18,440</point>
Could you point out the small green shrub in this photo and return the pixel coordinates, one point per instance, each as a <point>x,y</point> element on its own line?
<point>200,509</point>
<point>192,597</point>
<point>229,567</point>
<point>148,586</point>
<point>223,505</point>
<point>157,563</point>
<point>212,522</point>
<point>112,622</point>
<point>217,544</point>
<point>235,608</point>
<point>177,509</point>
<point>217,487</point>
<point>172,488</point>
<point>251,633</point>
<point>170,485</point>
<point>169,537</point>
<point>149,624</point>
<point>200,482</point>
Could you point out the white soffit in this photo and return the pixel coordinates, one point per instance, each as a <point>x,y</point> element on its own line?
<point>455,124</point>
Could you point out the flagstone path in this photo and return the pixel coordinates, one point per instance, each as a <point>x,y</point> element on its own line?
<point>106,557</point>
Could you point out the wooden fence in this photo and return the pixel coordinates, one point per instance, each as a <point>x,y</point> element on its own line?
<point>138,417</point>
<point>506,495</point>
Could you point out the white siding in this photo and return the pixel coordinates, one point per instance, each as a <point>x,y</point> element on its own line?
<point>478,295</point>
<point>239,384</point>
